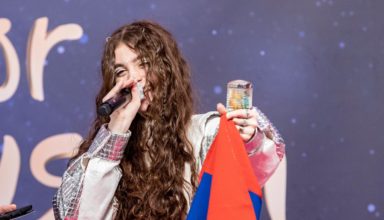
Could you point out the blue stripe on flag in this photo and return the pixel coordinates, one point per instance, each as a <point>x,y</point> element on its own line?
<point>256,202</point>
<point>199,207</point>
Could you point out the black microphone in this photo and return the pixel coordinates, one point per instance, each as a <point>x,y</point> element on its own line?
<point>107,107</point>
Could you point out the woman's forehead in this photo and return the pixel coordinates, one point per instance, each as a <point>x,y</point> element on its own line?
<point>125,55</point>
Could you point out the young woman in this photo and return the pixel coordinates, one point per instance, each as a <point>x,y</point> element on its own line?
<point>143,161</point>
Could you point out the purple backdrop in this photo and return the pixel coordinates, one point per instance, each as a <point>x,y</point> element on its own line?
<point>317,68</point>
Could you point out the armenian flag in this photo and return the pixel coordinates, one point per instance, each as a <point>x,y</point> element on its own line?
<point>228,188</point>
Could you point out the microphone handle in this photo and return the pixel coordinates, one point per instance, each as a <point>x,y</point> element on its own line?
<point>107,107</point>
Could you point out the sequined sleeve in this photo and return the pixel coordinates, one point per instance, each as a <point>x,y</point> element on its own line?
<point>265,149</point>
<point>91,179</point>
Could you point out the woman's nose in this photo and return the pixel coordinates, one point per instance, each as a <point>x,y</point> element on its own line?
<point>132,76</point>
<point>139,79</point>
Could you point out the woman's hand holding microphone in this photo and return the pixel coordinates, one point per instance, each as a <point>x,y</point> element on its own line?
<point>123,116</point>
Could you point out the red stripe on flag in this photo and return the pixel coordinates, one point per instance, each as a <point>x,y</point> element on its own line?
<point>232,176</point>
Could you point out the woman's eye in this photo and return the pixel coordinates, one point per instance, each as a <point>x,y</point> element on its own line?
<point>119,72</point>
<point>143,64</point>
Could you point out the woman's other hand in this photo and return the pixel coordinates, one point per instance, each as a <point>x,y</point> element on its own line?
<point>244,119</point>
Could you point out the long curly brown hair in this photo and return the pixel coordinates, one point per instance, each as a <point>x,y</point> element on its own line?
<point>155,159</point>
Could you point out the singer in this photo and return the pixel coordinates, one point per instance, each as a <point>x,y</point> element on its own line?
<point>143,160</point>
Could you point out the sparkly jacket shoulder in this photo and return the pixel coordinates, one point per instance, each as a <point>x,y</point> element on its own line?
<point>89,183</point>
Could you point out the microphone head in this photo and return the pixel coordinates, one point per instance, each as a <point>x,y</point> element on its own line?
<point>104,110</point>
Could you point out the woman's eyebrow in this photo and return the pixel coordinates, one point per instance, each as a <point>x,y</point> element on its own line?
<point>134,60</point>
<point>117,65</point>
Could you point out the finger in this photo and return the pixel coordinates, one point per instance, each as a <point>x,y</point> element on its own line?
<point>7,208</point>
<point>246,130</point>
<point>221,108</point>
<point>245,137</point>
<point>130,99</point>
<point>133,102</point>
<point>115,89</point>
<point>246,133</point>
<point>252,122</point>
<point>118,87</point>
<point>241,113</point>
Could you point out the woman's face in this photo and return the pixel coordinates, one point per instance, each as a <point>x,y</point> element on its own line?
<point>127,65</point>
